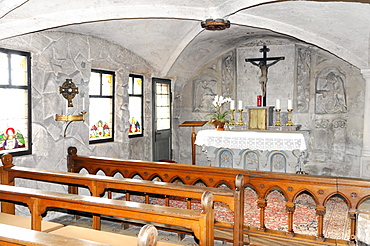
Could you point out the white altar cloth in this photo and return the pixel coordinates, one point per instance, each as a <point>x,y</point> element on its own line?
<point>261,140</point>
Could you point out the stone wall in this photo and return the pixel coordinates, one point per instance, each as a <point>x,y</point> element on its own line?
<point>327,94</point>
<point>57,56</point>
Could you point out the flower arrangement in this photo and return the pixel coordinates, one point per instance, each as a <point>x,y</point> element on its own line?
<point>219,115</point>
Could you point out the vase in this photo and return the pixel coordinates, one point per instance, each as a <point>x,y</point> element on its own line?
<point>219,125</point>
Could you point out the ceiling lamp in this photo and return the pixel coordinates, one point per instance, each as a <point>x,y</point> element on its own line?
<point>215,24</point>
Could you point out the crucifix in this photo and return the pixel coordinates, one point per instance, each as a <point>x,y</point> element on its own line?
<point>263,65</point>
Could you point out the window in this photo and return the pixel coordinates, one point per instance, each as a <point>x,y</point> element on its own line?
<point>101,108</point>
<point>135,92</point>
<point>15,94</point>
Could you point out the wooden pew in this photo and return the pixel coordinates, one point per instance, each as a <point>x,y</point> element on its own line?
<point>99,184</point>
<point>321,188</point>
<point>200,222</point>
<point>17,236</point>
<point>13,235</point>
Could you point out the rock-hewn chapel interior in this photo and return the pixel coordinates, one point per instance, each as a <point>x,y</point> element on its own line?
<point>325,74</point>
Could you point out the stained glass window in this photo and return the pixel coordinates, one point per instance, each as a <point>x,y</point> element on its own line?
<point>15,117</point>
<point>101,109</point>
<point>135,91</point>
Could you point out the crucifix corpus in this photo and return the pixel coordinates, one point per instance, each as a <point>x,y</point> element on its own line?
<point>263,64</point>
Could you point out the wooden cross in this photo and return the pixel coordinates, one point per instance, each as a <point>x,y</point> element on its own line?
<point>263,65</point>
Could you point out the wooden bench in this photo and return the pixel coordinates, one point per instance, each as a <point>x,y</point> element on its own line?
<point>200,222</point>
<point>99,184</point>
<point>77,236</point>
<point>25,222</point>
<point>321,188</point>
<point>16,236</point>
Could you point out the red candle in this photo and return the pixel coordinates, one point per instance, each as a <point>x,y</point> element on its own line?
<point>259,101</point>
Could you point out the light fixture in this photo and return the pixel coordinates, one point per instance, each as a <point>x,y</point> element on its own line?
<point>69,90</point>
<point>215,24</point>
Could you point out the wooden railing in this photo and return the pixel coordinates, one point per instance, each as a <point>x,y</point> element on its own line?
<point>321,188</point>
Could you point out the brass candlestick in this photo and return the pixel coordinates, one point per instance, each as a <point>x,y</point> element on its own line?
<point>232,122</point>
<point>290,122</point>
<point>277,123</point>
<point>240,117</point>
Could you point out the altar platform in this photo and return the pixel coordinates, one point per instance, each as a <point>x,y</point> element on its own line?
<point>264,150</point>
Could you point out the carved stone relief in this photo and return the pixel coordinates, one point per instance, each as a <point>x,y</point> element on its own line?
<point>278,163</point>
<point>204,92</point>
<point>228,74</point>
<point>339,140</point>
<point>226,159</point>
<point>330,92</point>
<point>251,160</point>
<point>215,79</point>
<point>320,134</point>
<point>303,79</point>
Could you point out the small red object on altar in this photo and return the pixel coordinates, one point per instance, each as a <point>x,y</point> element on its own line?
<point>259,101</point>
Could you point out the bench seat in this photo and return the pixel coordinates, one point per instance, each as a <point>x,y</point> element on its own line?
<point>25,222</point>
<point>109,238</point>
<point>17,236</point>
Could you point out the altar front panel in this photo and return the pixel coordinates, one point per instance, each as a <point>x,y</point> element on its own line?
<point>256,150</point>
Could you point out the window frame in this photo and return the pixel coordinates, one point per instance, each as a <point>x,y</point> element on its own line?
<point>113,73</point>
<point>141,96</point>
<point>27,88</point>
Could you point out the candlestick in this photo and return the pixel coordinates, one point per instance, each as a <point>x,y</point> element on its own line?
<point>277,123</point>
<point>277,106</point>
<point>232,122</point>
<point>290,104</point>
<point>240,117</point>
<point>290,122</point>
<point>240,105</point>
<point>232,105</point>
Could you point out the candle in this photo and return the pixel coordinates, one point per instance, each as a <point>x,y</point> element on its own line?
<point>290,104</point>
<point>232,105</point>
<point>277,106</point>
<point>83,103</point>
<point>259,101</point>
<point>66,107</point>
<point>240,105</point>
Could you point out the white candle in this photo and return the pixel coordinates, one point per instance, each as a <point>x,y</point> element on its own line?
<point>277,106</point>
<point>66,107</point>
<point>83,103</point>
<point>290,104</point>
<point>232,105</point>
<point>240,105</point>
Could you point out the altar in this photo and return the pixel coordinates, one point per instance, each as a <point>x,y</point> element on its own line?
<point>262,150</point>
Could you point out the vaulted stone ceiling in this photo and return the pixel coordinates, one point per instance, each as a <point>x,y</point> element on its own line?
<point>162,31</point>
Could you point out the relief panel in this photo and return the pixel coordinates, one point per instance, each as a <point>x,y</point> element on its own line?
<point>339,140</point>
<point>330,92</point>
<point>303,79</point>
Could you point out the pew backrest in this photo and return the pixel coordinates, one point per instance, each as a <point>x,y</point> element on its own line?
<point>99,184</point>
<point>200,222</point>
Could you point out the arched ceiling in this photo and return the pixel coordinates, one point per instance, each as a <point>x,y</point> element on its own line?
<point>164,30</point>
